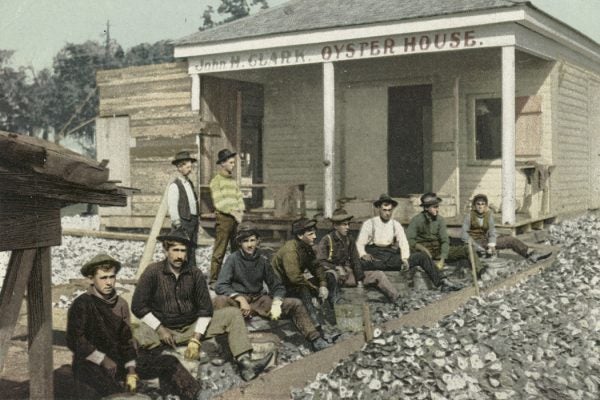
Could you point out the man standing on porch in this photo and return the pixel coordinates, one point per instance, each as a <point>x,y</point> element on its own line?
<point>382,245</point>
<point>229,209</point>
<point>183,202</point>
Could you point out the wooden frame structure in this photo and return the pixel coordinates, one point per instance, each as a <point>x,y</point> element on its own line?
<point>37,179</point>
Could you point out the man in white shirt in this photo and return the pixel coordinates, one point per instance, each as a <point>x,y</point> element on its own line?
<point>183,202</point>
<point>382,245</point>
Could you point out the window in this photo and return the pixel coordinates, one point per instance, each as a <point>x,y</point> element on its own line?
<point>488,129</point>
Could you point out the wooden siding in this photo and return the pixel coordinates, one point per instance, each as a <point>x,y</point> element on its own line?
<point>156,98</point>
<point>570,181</point>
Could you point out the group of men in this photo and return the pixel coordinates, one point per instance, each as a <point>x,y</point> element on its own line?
<point>173,302</point>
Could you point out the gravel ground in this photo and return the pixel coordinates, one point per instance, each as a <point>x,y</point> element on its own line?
<point>536,340</point>
<point>74,251</point>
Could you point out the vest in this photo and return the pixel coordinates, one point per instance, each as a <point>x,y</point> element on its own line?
<point>479,232</point>
<point>183,207</point>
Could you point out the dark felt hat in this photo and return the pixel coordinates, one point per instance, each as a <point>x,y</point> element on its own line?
<point>479,197</point>
<point>224,155</point>
<point>176,235</point>
<point>340,215</point>
<point>302,225</point>
<point>89,268</point>
<point>430,199</point>
<point>183,156</point>
<point>245,230</point>
<point>385,198</point>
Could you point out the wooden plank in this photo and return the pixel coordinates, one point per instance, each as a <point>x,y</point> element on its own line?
<point>151,242</point>
<point>11,295</point>
<point>20,152</point>
<point>36,185</point>
<point>39,323</point>
<point>28,222</point>
<point>104,234</point>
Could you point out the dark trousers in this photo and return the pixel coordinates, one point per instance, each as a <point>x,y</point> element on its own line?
<point>261,305</point>
<point>190,226</point>
<point>225,226</point>
<point>508,242</point>
<point>93,382</point>
<point>305,294</point>
<point>389,259</point>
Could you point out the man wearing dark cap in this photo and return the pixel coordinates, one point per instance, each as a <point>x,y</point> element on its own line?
<point>172,300</point>
<point>338,255</point>
<point>229,209</point>
<point>183,201</point>
<point>427,234</point>
<point>296,257</point>
<point>479,225</point>
<point>240,284</point>
<point>383,245</point>
<point>99,335</point>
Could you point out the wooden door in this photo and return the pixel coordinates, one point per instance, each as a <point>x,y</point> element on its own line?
<point>408,106</point>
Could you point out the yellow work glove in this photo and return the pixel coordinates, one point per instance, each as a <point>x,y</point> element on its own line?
<point>131,382</point>
<point>440,264</point>
<point>276,309</point>
<point>193,350</point>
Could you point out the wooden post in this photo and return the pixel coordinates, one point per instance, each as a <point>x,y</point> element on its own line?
<point>367,324</point>
<point>11,296</point>
<point>328,138</point>
<point>39,322</point>
<point>508,135</point>
<point>159,219</point>
<point>473,269</point>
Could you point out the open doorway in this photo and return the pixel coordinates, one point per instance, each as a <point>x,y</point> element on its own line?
<point>409,140</point>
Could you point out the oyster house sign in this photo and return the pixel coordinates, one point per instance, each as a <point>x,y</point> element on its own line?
<point>347,50</point>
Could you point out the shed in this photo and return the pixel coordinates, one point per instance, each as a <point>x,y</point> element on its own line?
<point>356,99</point>
<point>37,179</point>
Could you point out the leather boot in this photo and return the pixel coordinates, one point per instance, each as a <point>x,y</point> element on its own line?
<point>448,286</point>
<point>249,369</point>
<point>536,256</point>
<point>319,344</point>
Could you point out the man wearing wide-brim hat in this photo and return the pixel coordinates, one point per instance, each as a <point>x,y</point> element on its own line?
<point>241,284</point>
<point>182,201</point>
<point>337,254</point>
<point>105,360</point>
<point>229,209</point>
<point>173,302</point>
<point>383,245</point>
<point>427,234</point>
<point>296,257</point>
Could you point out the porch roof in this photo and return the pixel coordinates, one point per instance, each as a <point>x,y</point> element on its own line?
<point>309,15</point>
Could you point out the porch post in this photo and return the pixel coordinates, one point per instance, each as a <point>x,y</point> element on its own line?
<point>508,135</point>
<point>328,138</point>
<point>195,101</point>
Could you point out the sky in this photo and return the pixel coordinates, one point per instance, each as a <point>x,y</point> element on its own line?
<point>38,29</point>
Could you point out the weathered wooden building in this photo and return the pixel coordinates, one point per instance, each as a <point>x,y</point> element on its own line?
<point>355,99</point>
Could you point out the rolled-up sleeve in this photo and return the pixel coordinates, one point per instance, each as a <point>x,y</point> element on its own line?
<point>364,237</point>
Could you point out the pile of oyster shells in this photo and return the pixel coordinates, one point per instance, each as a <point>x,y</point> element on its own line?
<point>538,339</point>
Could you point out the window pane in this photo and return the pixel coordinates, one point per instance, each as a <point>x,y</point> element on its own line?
<point>488,129</point>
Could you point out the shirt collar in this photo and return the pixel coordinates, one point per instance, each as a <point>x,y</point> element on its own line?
<point>166,269</point>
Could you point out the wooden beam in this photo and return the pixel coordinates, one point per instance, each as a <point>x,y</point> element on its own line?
<point>39,322</point>
<point>36,185</point>
<point>508,135</point>
<point>11,295</point>
<point>328,139</point>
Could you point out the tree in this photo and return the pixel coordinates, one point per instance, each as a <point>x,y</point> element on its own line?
<point>230,10</point>
<point>14,100</point>
<point>145,53</point>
